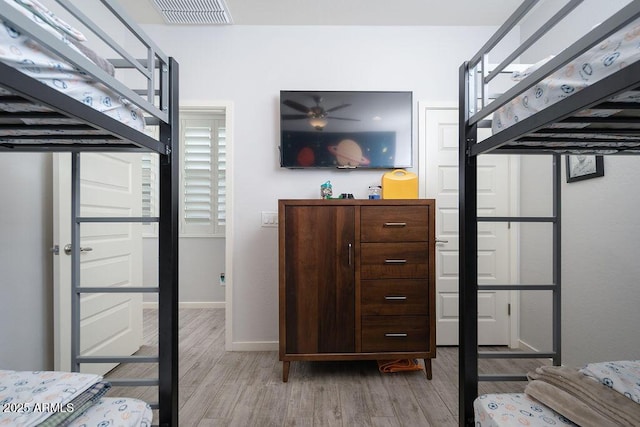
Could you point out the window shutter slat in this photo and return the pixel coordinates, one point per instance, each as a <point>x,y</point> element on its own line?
<point>197,180</point>
<point>203,178</point>
<point>203,173</point>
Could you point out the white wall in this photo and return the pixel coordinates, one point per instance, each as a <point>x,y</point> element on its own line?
<point>600,243</point>
<point>535,251</point>
<point>249,65</point>
<point>601,272</point>
<point>201,260</point>
<point>26,268</point>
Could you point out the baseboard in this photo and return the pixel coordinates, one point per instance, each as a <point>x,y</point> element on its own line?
<point>189,304</point>
<point>255,346</point>
<point>526,347</point>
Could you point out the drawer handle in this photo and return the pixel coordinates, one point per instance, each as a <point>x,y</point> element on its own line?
<point>395,335</point>
<point>395,261</point>
<point>395,298</point>
<point>395,224</point>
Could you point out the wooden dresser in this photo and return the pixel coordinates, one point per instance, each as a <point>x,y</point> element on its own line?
<point>357,280</point>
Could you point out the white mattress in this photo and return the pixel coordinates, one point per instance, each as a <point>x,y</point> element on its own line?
<point>20,52</point>
<point>515,409</point>
<point>612,54</point>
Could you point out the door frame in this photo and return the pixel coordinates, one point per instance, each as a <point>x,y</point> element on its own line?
<point>514,206</point>
<point>61,306</point>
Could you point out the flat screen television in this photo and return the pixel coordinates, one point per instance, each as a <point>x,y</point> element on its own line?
<point>363,129</point>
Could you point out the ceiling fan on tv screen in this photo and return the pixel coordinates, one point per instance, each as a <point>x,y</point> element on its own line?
<point>317,115</point>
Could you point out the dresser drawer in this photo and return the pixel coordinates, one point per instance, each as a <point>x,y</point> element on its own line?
<point>394,223</point>
<point>394,297</point>
<point>408,260</point>
<point>395,333</point>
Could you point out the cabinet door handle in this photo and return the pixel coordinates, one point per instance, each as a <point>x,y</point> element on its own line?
<point>395,261</point>
<point>350,253</point>
<point>394,335</point>
<point>395,224</point>
<point>395,298</point>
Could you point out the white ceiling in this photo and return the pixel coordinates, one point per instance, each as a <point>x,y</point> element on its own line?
<point>350,12</point>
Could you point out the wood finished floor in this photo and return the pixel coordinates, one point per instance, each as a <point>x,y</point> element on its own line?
<point>245,389</point>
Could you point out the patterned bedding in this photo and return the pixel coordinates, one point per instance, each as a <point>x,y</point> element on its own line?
<point>28,398</point>
<point>503,410</point>
<point>53,399</point>
<point>622,376</point>
<point>116,412</point>
<point>22,53</point>
<point>510,410</point>
<point>612,54</point>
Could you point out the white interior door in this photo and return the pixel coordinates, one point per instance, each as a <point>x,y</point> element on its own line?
<point>439,130</point>
<point>111,324</point>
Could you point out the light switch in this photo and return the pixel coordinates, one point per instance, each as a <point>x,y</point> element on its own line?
<point>269,219</point>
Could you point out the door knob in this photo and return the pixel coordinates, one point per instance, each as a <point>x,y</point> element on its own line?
<point>67,249</point>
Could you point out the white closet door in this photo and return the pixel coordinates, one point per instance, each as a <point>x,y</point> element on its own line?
<point>440,172</point>
<point>111,324</point>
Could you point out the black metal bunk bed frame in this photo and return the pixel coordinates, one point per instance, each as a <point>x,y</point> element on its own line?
<point>90,130</point>
<point>531,136</point>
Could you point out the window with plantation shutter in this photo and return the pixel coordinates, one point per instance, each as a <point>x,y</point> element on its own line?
<point>203,174</point>
<point>203,177</point>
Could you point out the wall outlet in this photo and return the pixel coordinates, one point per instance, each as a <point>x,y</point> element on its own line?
<point>269,219</point>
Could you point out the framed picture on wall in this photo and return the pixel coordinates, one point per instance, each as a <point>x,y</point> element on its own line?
<point>581,167</point>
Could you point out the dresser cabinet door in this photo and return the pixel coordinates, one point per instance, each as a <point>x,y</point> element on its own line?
<point>320,279</point>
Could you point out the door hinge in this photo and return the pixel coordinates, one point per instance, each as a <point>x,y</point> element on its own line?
<point>508,309</point>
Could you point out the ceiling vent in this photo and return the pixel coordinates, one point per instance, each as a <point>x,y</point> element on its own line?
<point>193,11</point>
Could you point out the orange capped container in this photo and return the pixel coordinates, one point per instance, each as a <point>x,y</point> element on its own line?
<point>399,184</point>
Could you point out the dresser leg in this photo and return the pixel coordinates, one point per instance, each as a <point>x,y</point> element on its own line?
<point>427,368</point>
<point>285,371</point>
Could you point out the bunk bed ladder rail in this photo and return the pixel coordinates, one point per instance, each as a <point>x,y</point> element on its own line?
<point>554,287</point>
<point>167,290</point>
<point>168,257</point>
<point>468,263</point>
<point>78,290</point>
